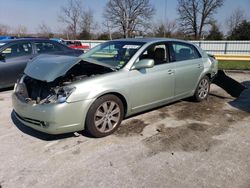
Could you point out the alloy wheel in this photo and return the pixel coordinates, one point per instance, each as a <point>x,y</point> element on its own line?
<point>203,88</point>
<point>107,116</point>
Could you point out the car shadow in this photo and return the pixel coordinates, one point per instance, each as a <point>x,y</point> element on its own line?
<point>38,134</point>
<point>243,102</point>
<point>6,89</point>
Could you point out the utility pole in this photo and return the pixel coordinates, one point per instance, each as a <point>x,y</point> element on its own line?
<point>165,17</point>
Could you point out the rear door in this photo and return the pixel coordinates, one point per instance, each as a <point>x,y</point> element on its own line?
<point>16,57</point>
<point>188,66</point>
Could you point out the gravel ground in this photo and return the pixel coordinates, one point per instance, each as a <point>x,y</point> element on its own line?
<point>185,144</point>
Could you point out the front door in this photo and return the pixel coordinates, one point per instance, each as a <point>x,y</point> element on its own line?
<point>152,86</point>
<point>16,58</point>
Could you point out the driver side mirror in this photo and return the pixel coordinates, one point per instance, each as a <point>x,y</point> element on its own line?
<point>143,64</point>
<point>2,57</point>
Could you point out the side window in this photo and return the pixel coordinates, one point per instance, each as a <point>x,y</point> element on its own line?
<point>46,47</point>
<point>183,52</point>
<point>157,52</point>
<point>16,50</point>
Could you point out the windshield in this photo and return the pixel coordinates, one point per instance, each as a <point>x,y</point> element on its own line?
<point>114,53</point>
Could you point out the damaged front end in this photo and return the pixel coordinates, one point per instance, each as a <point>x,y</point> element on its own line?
<point>55,86</point>
<point>37,92</point>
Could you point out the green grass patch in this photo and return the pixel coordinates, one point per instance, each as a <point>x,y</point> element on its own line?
<point>234,65</point>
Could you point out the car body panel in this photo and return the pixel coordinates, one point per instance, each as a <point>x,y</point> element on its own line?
<point>49,67</point>
<point>141,90</point>
<point>57,66</point>
<point>58,118</point>
<point>187,74</point>
<point>10,67</point>
<point>148,80</point>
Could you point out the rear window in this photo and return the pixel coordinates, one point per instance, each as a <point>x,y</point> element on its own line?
<point>184,51</point>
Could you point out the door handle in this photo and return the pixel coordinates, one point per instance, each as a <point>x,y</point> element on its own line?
<point>199,66</point>
<point>170,71</point>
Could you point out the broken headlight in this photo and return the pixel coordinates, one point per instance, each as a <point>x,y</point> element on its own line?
<point>59,95</point>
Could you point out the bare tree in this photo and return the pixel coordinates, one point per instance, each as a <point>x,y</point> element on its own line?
<point>88,24</point>
<point>194,15</point>
<point>108,29</point>
<point>170,27</point>
<point>87,21</point>
<point>44,30</point>
<point>71,15</point>
<point>129,15</point>
<point>235,19</point>
<point>4,29</point>
<point>165,29</point>
<point>21,31</point>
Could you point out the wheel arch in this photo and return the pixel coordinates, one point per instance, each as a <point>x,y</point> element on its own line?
<point>121,97</point>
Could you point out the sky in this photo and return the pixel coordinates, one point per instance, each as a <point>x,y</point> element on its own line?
<point>31,13</point>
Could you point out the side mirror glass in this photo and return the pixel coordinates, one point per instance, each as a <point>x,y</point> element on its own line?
<point>143,64</point>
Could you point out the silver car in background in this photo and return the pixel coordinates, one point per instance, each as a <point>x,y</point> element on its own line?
<point>94,92</point>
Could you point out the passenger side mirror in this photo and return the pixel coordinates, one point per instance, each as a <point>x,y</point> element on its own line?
<point>143,64</point>
<point>2,57</point>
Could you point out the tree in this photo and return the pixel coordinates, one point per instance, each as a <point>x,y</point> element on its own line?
<point>165,29</point>
<point>85,35</point>
<point>214,33</point>
<point>234,20</point>
<point>45,31</point>
<point>4,29</point>
<point>71,15</point>
<point>159,31</point>
<point>129,16</point>
<point>87,24</point>
<point>107,29</point>
<point>21,31</point>
<point>103,36</point>
<point>241,32</point>
<point>194,15</point>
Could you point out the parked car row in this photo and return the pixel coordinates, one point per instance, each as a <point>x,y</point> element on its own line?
<point>95,91</point>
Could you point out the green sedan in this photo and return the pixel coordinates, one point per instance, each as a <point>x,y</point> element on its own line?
<point>119,78</point>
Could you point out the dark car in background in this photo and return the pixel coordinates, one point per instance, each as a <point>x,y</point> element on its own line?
<point>15,54</point>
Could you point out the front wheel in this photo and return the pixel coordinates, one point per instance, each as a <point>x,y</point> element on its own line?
<point>202,90</point>
<point>104,116</point>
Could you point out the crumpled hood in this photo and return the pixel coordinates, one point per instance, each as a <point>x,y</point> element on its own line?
<point>49,67</point>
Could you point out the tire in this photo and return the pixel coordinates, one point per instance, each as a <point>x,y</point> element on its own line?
<point>104,116</point>
<point>202,90</point>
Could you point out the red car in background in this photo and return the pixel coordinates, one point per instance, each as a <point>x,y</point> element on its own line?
<point>77,45</point>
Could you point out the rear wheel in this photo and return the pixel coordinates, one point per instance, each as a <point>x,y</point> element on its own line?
<point>104,116</point>
<point>202,89</point>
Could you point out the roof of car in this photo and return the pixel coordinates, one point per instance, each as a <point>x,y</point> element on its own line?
<point>146,40</point>
<point>24,39</point>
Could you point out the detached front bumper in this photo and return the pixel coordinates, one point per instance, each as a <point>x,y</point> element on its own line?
<point>52,118</point>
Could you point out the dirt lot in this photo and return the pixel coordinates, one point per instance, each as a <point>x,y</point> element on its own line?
<point>184,144</point>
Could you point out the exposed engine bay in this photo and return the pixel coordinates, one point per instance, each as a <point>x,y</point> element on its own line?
<point>42,92</point>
